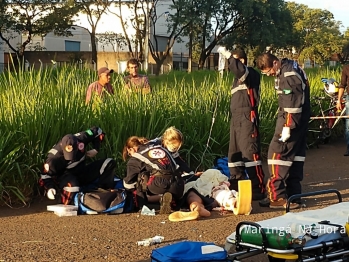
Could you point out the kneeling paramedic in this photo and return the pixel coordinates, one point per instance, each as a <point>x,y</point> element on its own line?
<point>66,165</point>
<point>153,172</point>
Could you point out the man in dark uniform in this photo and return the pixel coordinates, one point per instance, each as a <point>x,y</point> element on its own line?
<point>65,165</point>
<point>286,152</point>
<point>244,158</point>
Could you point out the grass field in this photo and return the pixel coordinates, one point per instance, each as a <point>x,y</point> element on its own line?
<point>37,108</point>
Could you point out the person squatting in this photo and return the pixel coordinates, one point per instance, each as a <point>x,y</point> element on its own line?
<point>66,166</point>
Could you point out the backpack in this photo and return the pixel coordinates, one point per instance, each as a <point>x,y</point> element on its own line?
<point>189,251</point>
<point>100,201</point>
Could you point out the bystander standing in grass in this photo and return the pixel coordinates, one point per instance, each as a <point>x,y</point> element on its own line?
<point>134,81</point>
<point>344,84</point>
<point>101,86</point>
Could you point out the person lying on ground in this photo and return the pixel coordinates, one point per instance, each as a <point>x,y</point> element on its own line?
<point>65,166</point>
<point>199,196</point>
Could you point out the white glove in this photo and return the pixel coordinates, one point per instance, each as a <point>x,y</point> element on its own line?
<point>286,133</point>
<point>91,153</point>
<point>51,193</point>
<point>223,51</point>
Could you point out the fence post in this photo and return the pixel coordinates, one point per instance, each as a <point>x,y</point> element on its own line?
<point>54,63</point>
<point>94,65</point>
<point>26,65</point>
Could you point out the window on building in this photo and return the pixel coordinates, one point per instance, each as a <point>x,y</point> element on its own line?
<point>72,45</point>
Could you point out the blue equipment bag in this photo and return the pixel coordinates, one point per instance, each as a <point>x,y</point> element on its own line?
<point>221,163</point>
<point>101,201</point>
<point>189,251</point>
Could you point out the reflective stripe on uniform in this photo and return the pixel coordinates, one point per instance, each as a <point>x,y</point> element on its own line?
<point>238,88</point>
<point>129,186</point>
<point>53,151</point>
<point>71,189</point>
<point>299,158</point>
<point>243,78</point>
<point>105,163</point>
<point>146,160</point>
<point>253,163</point>
<point>293,73</point>
<point>45,177</point>
<point>74,164</point>
<point>236,164</point>
<point>279,162</point>
<point>293,110</point>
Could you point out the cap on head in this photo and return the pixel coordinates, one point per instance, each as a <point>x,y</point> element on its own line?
<point>105,70</point>
<point>69,146</point>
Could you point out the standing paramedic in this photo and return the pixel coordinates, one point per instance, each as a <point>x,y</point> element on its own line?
<point>244,144</point>
<point>66,165</point>
<point>344,84</point>
<point>286,152</point>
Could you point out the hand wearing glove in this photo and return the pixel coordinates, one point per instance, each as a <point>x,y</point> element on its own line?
<point>286,133</point>
<point>223,51</point>
<point>51,193</point>
<point>91,153</point>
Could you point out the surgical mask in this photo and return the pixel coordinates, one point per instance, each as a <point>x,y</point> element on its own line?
<point>172,149</point>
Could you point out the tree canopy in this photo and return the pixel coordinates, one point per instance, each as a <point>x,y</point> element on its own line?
<point>36,17</point>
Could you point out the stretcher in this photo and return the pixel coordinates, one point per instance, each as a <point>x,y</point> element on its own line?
<point>312,235</point>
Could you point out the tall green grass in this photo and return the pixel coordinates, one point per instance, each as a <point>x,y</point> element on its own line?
<point>37,108</point>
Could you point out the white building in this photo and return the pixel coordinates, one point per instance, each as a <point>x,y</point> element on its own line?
<point>108,25</point>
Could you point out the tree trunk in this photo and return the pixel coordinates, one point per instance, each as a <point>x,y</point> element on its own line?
<point>202,60</point>
<point>190,59</point>
<point>93,45</point>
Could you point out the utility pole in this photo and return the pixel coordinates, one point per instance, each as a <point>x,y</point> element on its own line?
<point>146,38</point>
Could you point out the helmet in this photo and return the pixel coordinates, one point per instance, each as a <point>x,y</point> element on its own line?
<point>330,86</point>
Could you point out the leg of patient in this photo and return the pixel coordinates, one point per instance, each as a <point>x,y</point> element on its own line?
<point>195,204</point>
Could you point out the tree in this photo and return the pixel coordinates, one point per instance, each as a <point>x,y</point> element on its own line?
<point>344,55</point>
<point>134,43</point>
<point>177,21</point>
<point>36,17</point>
<point>243,20</point>
<point>318,33</point>
<point>93,11</point>
<point>142,10</point>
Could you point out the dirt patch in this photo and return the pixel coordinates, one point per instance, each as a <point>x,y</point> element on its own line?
<point>33,234</point>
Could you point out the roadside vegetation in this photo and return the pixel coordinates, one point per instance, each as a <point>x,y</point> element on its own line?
<point>37,108</point>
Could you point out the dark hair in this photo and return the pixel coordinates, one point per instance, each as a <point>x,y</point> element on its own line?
<point>132,61</point>
<point>240,54</point>
<point>265,61</point>
<point>133,141</point>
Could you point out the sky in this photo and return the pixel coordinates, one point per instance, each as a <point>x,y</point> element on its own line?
<point>339,9</point>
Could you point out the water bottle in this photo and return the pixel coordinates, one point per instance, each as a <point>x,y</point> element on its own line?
<point>278,239</point>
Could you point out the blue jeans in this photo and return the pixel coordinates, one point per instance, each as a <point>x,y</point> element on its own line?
<point>347,120</point>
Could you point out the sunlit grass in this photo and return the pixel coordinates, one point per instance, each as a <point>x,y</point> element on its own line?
<point>37,108</point>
